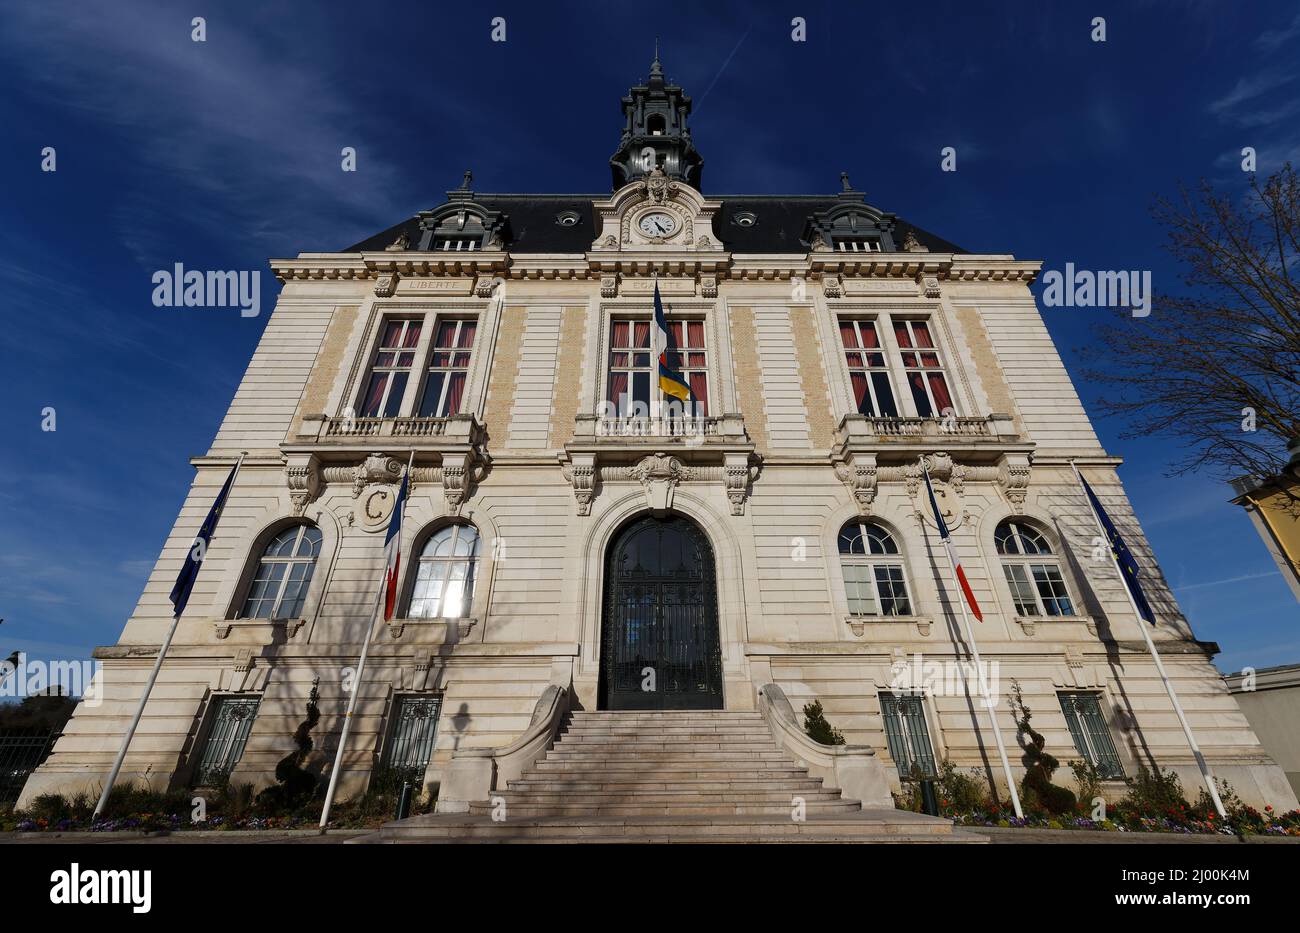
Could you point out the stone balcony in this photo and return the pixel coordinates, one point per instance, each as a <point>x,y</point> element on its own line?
<point>611,433</point>
<point>870,450</point>
<point>372,452</point>
<point>660,453</point>
<point>906,438</point>
<point>454,430</point>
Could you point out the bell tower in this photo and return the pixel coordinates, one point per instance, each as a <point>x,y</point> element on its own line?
<point>655,133</point>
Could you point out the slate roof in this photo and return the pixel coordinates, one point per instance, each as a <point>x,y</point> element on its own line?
<point>779,226</point>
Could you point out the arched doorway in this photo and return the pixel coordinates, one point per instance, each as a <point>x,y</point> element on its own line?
<point>659,645</point>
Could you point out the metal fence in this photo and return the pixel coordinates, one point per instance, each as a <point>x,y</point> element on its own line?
<point>21,753</point>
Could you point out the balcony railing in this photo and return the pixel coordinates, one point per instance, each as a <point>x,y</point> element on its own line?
<point>657,427</point>
<point>924,427</point>
<point>455,428</point>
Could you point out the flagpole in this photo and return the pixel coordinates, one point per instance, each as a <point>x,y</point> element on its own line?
<point>148,689</point>
<point>356,688</point>
<point>983,682</point>
<point>1201,763</point>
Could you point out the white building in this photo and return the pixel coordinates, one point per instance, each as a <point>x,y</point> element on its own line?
<point>559,533</point>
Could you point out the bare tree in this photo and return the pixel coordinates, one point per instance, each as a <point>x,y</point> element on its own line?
<point>1219,367</point>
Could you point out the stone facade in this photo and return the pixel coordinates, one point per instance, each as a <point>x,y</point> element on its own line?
<point>783,460</point>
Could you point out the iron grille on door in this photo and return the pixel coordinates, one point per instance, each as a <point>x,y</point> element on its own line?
<point>660,625</point>
<point>415,726</point>
<point>907,734</point>
<point>1088,729</point>
<point>232,720</point>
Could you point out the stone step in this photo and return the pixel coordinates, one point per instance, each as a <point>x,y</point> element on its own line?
<point>662,771</point>
<point>639,783</point>
<point>705,715</point>
<point>524,810</point>
<point>566,752</point>
<point>861,826</point>
<point>667,735</point>
<point>648,747</point>
<point>777,797</point>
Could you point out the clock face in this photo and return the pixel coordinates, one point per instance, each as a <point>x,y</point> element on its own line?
<point>658,224</point>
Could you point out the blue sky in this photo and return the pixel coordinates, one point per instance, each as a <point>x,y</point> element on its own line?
<point>222,154</point>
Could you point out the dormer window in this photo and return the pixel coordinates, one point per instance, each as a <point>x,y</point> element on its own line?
<point>857,244</point>
<point>455,244</point>
<point>655,125</point>
<point>744,219</point>
<point>567,218</point>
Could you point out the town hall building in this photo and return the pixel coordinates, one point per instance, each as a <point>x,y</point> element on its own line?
<point>588,562</point>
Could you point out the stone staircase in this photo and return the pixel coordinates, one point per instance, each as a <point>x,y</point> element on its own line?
<point>655,777</point>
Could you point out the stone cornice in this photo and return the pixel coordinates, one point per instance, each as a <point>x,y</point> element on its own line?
<point>664,260</point>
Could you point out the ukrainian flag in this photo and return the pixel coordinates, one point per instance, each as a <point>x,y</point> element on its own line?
<point>670,381</point>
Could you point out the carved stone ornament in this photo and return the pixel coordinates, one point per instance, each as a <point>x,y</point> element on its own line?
<point>609,283</point>
<point>858,473</point>
<point>302,475</point>
<point>831,287</point>
<point>377,468</point>
<point>402,242</point>
<point>484,287</point>
<point>930,286</point>
<point>708,285</point>
<point>455,484</point>
<point>737,475</point>
<point>1013,477</point>
<point>912,245</point>
<point>610,242</point>
<point>659,473</point>
<point>818,243</point>
<point>386,284</point>
<point>657,186</point>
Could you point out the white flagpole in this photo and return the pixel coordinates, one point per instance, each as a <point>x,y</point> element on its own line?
<point>148,687</point>
<point>356,681</point>
<point>979,670</point>
<point>1155,656</point>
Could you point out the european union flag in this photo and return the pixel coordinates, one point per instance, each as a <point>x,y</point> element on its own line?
<point>180,594</point>
<point>1123,556</point>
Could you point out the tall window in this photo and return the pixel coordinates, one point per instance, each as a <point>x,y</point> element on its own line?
<point>874,580</point>
<point>923,368</point>
<point>413,731</point>
<point>907,734</point>
<point>1032,571</point>
<point>1088,729</point>
<point>444,387</point>
<point>629,367</point>
<point>872,392</point>
<point>283,575</point>
<point>690,361</point>
<point>391,369</point>
<point>444,579</point>
<point>231,721</point>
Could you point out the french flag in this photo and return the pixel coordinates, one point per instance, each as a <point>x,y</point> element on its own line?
<point>393,551</point>
<point>952,552</point>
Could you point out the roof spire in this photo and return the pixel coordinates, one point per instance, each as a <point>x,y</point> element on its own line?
<point>655,67</point>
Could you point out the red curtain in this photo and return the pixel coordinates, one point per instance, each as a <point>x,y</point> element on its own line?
<point>860,392</point>
<point>374,395</point>
<point>939,389</point>
<point>455,389</point>
<point>700,389</point>
<point>642,334</point>
<point>617,388</point>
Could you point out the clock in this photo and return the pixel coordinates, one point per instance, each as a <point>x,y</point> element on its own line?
<point>658,224</point>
